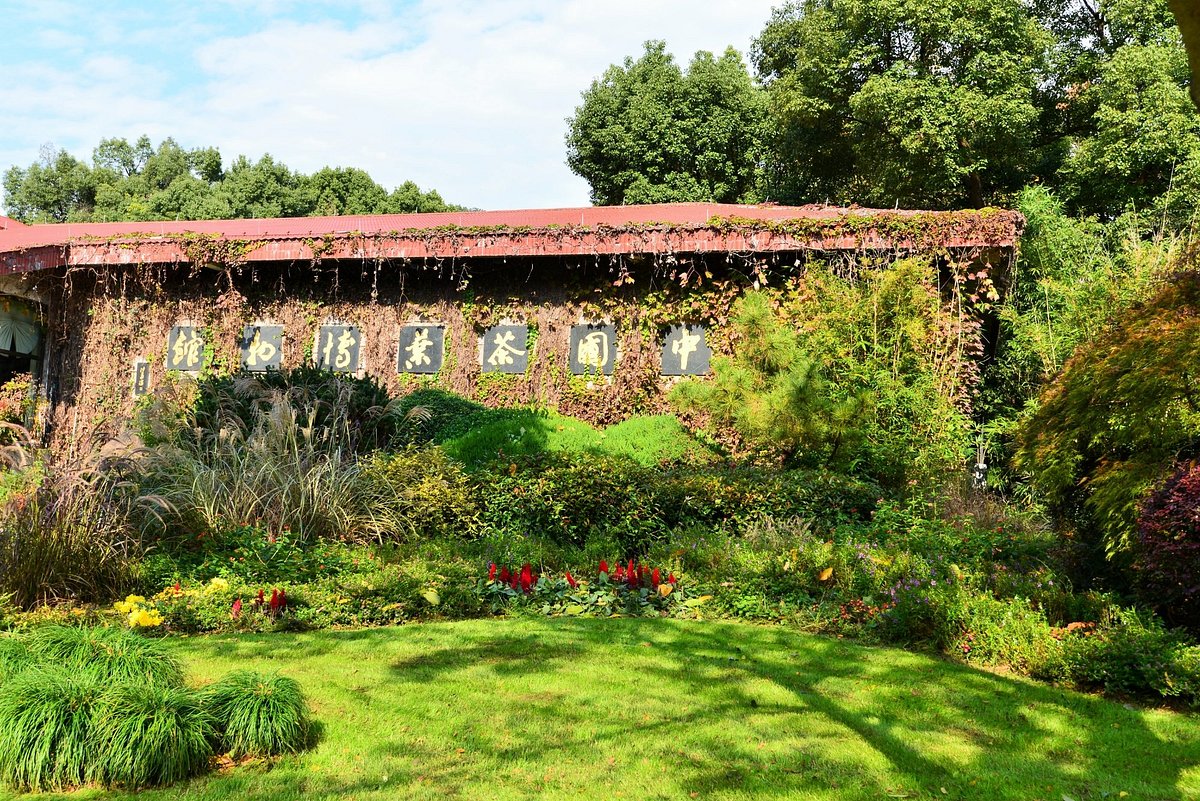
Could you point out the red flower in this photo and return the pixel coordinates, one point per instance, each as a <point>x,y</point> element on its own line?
<point>178,589</point>
<point>654,578</point>
<point>261,599</point>
<point>278,601</point>
<point>236,610</point>
<point>492,572</point>
<point>671,579</point>
<point>603,566</point>
<point>571,582</point>
<point>620,574</point>
<point>526,577</point>
<point>505,574</point>
<point>632,576</point>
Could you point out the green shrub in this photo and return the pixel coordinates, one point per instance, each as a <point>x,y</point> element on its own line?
<point>434,496</point>
<point>1182,676</point>
<point>448,416</point>
<point>521,432</point>
<point>656,440</point>
<point>108,654</point>
<point>259,715</point>
<point>1129,652</point>
<point>145,735</point>
<point>1004,632</point>
<point>45,728</point>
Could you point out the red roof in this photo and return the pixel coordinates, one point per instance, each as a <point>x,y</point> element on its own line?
<point>663,228</point>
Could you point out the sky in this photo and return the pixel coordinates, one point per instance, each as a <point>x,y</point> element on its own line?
<point>468,97</point>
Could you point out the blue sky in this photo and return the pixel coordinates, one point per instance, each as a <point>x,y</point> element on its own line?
<point>469,98</point>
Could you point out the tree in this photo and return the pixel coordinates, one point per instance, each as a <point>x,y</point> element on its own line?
<point>921,103</point>
<point>773,393</point>
<point>141,182</point>
<point>648,132</point>
<point>1123,412</point>
<point>56,188</point>
<point>1188,15</point>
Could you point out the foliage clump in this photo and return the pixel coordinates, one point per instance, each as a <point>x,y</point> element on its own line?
<point>1119,415</point>
<point>148,735</point>
<point>1166,567</point>
<point>259,715</point>
<point>774,394</point>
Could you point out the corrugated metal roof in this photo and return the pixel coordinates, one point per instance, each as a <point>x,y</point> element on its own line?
<point>671,227</point>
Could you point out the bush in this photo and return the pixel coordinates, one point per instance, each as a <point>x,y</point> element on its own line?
<point>258,715</point>
<point>287,471</point>
<point>656,440</point>
<point>433,494</point>
<point>144,735</point>
<point>70,536</point>
<point>357,411</point>
<point>446,417</point>
<point>1128,652</point>
<point>1004,632</point>
<point>108,654</point>
<point>521,432</point>
<point>45,728</point>
<point>1166,568</point>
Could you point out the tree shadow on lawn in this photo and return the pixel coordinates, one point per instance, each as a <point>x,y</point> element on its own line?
<point>733,710</point>
<point>891,721</point>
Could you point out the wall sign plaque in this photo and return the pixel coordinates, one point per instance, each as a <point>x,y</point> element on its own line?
<point>185,349</point>
<point>262,348</point>
<point>422,349</point>
<point>338,348</point>
<point>685,351</point>
<point>593,349</point>
<point>141,378</point>
<point>504,349</point>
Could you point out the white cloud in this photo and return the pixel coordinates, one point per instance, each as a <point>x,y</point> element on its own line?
<point>469,98</point>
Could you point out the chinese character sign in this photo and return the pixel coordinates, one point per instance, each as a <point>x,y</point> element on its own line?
<point>141,378</point>
<point>421,349</point>
<point>338,348</point>
<point>262,347</point>
<point>185,349</point>
<point>505,350</point>
<point>685,351</point>
<point>593,349</point>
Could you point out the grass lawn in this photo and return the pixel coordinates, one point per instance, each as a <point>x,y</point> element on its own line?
<point>662,709</point>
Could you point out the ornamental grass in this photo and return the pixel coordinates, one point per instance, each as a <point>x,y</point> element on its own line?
<point>15,657</point>
<point>145,735</point>
<point>110,654</point>
<point>45,728</point>
<point>259,715</point>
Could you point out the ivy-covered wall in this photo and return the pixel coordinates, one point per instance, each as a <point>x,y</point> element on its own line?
<point>99,323</point>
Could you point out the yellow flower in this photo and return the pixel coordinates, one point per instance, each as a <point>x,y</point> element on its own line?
<point>145,618</point>
<point>218,584</point>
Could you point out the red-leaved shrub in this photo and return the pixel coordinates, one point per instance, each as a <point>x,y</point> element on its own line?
<point>1167,565</point>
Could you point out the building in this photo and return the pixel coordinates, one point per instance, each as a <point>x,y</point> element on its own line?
<point>593,311</point>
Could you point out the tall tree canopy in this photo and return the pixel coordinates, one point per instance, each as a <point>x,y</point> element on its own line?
<point>648,132</point>
<point>927,103</point>
<point>137,181</point>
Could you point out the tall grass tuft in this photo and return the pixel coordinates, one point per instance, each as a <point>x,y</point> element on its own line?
<point>108,654</point>
<point>292,467</point>
<point>15,657</point>
<point>144,735</point>
<point>259,715</point>
<point>69,531</point>
<point>45,728</point>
